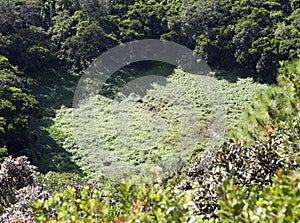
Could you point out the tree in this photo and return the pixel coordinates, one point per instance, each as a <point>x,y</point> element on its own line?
<point>17,108</point>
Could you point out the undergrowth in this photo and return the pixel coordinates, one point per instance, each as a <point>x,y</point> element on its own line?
<point>157,126</point>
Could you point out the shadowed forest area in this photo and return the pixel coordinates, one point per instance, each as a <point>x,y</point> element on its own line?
<point>253,175</point>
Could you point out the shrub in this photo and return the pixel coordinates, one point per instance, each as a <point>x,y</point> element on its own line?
<point>74,206</point>
<point>148,202</point>
<point>14,174</point>
<point>17,189</point>
<point>3,153</point>
<point>136,200</point>
<point>273,105</point>
<point>250,166</point>
<point>279,202</point>
<point>58,182</point>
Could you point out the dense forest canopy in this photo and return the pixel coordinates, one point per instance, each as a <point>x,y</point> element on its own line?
<point>45,45</point>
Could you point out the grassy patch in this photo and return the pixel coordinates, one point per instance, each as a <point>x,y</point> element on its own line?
<point>164,125</point>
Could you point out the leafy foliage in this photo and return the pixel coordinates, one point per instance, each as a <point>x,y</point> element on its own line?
<point>16,109</point>
<point>278,202</point>
<point>273,105</point>
<point>250,167</point>
<point>72,206</point>
<point>159,103</point>
<point>18,173</point>
<point>17,189</point>
<point>45,43</point>
<point>136,201</point>
<point>50,40</point>
<point>55,182</point>
<point>254,34</point>
<point>3,153</point>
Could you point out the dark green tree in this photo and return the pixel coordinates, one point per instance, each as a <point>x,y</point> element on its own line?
<point>17,108</point>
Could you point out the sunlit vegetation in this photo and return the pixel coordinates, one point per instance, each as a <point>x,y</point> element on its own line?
<point>147,142</point>
<point>48,175</point>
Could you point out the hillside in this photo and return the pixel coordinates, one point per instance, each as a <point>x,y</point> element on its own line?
<point>149,111</point>
<point>151,131</point>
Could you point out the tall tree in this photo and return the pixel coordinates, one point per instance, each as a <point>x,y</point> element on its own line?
<point>17,108</point>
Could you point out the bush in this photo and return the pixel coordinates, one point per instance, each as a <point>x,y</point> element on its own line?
<point>15,174</point>
<point>273,105</point>
<point>74,206</point>
<point>249,166</point>
<point>148,202</point>
<point>252,166</point>
<point>17,189</point>
<point>3,153</point>
<point>136,200</point>
<point>58,182</point>
<point>279,202</point>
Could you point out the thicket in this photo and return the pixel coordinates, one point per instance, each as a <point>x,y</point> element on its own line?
<point>241,174</point>
<point>163,103</point>
<point>235,182</point>
<point>18,190</point>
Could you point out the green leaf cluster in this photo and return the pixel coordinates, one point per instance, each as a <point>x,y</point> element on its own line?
<point>251,166</point>
<point>136,200</point>
<point>17,108</point>
<point>279,202</point>
<point>274,105</point>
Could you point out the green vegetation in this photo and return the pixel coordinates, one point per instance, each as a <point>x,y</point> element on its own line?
<point>17,105</point>
<point>278,202</point>
<point>253,176</point>
<point>137,201</point>
<point>161,106</point>
<point>51,41</point>
<point>274,105</point>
